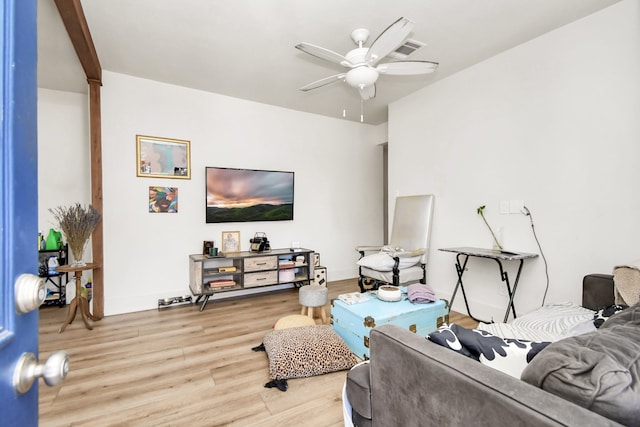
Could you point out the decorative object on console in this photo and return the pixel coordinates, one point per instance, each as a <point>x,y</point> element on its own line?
<point>77,224</point>
<point>230,241</point>
<point>243,195</point>
<point>162,157</point>
<point>259,243</point>
<point>163,199</point>
<point>206,245</point>
<point>480,211</point>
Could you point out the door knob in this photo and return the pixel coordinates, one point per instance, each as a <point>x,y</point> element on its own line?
<point>30,292</point>
<point>53,371</point>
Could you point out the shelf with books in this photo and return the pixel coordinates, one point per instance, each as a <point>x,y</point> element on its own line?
<point>242,273</point>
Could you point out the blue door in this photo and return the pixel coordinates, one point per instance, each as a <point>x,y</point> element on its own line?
<point>19,210</point>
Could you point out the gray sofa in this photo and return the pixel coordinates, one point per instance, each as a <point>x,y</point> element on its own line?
<point>410,381</point>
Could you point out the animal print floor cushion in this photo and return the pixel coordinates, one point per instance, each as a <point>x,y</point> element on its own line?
<point>306,351</point>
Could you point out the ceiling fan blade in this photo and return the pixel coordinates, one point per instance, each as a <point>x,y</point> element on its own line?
<point>368,92</point>
<point>407,68</point>
<point>388,40</point>
<point>323,82</point>
<point>322,53</point>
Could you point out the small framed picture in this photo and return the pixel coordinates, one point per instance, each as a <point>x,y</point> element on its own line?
<point>316,259</point>
<point>206,245</point>
<point>230,241</point>
<point>162,157</point>
<point>163,199</point>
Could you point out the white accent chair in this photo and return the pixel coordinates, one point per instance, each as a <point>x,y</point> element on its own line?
<point>404,259</point>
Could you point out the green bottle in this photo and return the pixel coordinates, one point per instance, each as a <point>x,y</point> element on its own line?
<point>53,240</point>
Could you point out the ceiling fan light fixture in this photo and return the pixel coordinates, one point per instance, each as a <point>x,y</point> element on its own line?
<point>362,76</point>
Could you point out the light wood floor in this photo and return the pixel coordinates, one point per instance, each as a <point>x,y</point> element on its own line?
<point>183,367</point>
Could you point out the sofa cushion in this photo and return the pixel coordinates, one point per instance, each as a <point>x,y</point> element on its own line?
<point>359,389</point>
<point>599,370</point>
<point>306,351</point>
<point>382,261</point>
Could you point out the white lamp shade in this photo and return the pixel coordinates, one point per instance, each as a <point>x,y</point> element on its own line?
<point>361,76</point>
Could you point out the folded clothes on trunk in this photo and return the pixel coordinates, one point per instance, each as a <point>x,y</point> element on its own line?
<point>420,293</point>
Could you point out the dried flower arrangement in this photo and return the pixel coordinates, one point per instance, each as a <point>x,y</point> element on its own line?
<point>481,213</point>
<point>77,224</point>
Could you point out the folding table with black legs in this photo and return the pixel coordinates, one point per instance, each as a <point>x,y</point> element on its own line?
<point>462,258</point>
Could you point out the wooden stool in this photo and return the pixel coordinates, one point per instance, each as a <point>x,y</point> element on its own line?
<point>313,297</point>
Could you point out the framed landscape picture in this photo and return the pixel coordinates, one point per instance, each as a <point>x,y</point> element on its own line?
<point>162,157</point>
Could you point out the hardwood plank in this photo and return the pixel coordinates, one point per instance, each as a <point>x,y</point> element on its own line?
<point>180,366</point>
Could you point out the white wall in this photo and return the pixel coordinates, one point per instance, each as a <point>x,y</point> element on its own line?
<point>338,191</point>
<point>64,175</point>
<point>63,153</point>
<point>553,122</point>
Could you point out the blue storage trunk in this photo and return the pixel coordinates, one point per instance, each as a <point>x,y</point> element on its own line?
<point>353,322</point>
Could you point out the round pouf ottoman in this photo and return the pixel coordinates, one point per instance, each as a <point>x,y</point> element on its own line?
<point>293,321</point>
<point>313,297</point>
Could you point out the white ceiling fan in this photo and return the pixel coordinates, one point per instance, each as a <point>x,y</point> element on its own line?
<point>363,61</point>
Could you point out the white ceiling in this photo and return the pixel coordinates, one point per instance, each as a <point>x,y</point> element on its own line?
<point>245,48</point>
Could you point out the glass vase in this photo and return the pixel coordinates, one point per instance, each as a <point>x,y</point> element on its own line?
<point>77,249</point>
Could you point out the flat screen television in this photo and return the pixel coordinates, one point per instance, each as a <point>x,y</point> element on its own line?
<point>243,195</point>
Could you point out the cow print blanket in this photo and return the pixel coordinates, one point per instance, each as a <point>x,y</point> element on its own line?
<point>508,355</point>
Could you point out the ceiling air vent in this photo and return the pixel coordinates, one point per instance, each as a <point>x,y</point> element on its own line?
<point>406,49</point>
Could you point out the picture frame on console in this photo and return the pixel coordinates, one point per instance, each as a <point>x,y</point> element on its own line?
<point>158,157</point>
<point>230,241</point>
<point>207,245</point>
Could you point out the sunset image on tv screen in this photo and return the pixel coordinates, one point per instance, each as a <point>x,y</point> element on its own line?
<point>241,195</point>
